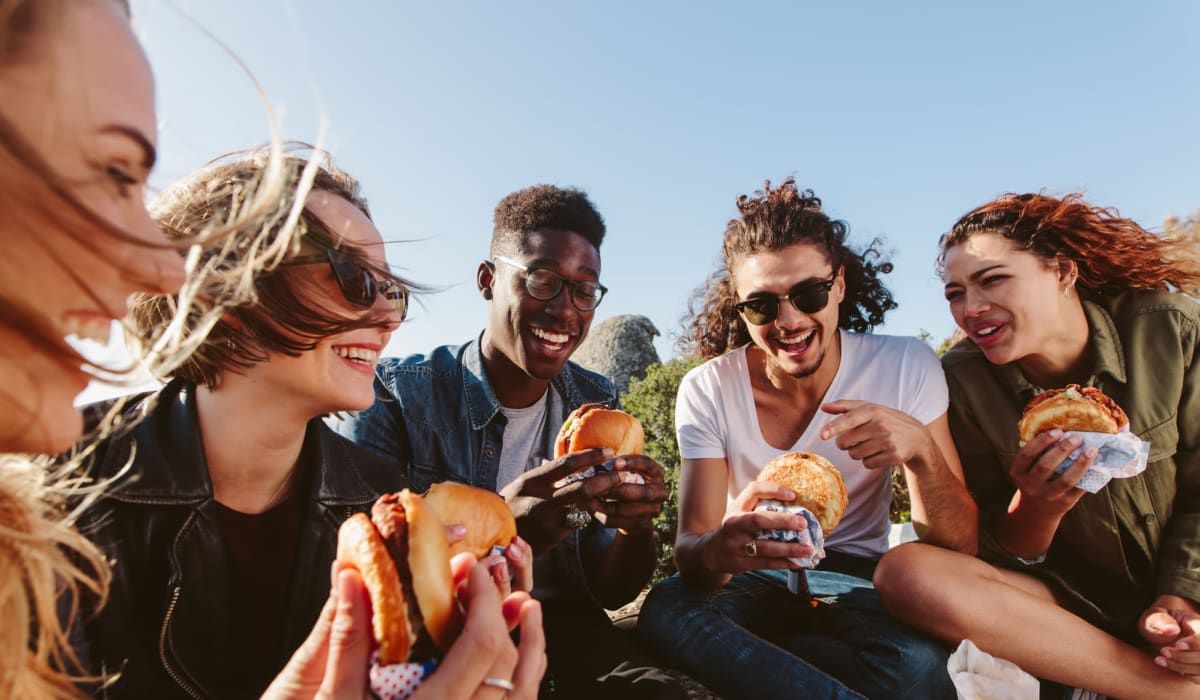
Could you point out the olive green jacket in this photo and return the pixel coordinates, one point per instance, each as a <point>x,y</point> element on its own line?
<point>1138,537</point>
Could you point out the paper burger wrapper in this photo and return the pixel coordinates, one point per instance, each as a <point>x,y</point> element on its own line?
<point>1120,456</point>
<point>397,681</point>
<point>811,535</point>
<point>626,477</point>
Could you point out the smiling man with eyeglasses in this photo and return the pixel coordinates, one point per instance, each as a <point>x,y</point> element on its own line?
<point>790,367</point>
<point>487,413</point>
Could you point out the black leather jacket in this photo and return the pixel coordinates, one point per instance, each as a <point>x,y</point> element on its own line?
<point>164,627</point>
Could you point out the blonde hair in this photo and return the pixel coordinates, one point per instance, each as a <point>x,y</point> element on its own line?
<point>48,570</point>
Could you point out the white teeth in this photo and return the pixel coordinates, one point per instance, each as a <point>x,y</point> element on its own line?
<point>95,328</point>
<point>988,331</point>
<point>806,338</point>
<point>356,353</point>
<point>551,337</point>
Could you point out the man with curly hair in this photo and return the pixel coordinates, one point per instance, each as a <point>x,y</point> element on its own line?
<point>790,366</point>
<point>487,413</point>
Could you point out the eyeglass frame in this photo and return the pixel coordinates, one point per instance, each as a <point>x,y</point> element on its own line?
<point>388,288</point>
<point>822,287</point>
<point>563,283</point>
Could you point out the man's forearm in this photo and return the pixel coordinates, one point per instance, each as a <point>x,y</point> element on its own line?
<point>944,514</point>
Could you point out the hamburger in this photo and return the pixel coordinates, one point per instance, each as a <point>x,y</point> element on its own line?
<point>1084,409</point>
<point>402,555</point>
<point>487,517</point>
<point>818,485</point>
<point>595,425</point>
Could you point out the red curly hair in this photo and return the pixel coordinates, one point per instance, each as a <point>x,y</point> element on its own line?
<point>1113,254</point>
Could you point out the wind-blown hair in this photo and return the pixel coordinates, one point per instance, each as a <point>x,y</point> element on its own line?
<point>246,305</point>
<point>771,220</point>
<point>1113,254</point>
<point>544,207</point>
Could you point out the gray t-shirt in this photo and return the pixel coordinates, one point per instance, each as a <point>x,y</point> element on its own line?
<point>524,440</point>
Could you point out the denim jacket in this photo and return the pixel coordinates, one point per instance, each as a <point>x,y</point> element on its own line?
<point>438,417</point>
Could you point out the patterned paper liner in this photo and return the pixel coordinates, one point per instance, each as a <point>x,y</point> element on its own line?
<point>1121,455</point>
<point>811,536</point>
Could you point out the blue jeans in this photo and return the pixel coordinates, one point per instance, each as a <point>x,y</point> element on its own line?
<point>754,639</point>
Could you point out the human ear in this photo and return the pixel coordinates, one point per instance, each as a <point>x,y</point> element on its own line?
<point>1068,273</point>
<point>485,277</point>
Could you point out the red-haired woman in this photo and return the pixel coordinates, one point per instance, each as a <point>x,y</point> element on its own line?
<point>1100,591</point>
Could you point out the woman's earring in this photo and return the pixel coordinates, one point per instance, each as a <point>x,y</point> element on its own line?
<point>230,344</point>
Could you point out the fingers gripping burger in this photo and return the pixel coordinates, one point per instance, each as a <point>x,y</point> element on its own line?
<point>820,497</point>
<point>1084,409</point>
<point>595,425</point>
<point>402,556</point>
<point>488,519</point>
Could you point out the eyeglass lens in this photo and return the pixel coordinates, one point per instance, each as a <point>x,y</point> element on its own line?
<point>360,288</point>
<point>545,285</point>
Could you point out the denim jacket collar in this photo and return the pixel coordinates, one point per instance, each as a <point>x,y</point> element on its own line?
<point>482,404</point>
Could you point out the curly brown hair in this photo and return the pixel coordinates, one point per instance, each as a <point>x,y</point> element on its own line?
<point>1113,254</point>
<point>772,220</point>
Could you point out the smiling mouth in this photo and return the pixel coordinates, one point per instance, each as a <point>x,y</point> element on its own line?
<point>985,332</point>
<point>363,357</point>
<point>797,343</point>
<point>94,327</point>
<point>550,339</point>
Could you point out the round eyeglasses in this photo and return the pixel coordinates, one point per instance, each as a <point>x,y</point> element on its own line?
<point>545,285</point>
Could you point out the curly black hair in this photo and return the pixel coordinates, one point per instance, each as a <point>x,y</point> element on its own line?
<point>772,220</point>
<point>544,207</point>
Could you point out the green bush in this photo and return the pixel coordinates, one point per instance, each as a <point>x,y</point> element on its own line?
<point>652,401</point>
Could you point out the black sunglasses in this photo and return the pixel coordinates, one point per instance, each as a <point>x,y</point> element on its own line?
<point>357,281</point>
<point>545,285</point>
<point>807,297</point>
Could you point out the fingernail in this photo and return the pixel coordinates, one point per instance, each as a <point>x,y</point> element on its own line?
<point>1056,433</point>
<point>1183,646</point>
<point>619,463</point>
<point>458,530</point>
<point>1166,651</point>
<point>608,452</point>
<point>1091,452</point>
<point>1161,661</point>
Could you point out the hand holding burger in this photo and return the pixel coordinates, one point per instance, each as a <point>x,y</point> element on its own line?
<point>819,496</point>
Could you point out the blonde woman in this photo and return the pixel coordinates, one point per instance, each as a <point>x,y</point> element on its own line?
<point>77,135</point>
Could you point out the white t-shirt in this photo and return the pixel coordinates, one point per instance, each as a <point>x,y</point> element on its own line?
<point>715,418</point>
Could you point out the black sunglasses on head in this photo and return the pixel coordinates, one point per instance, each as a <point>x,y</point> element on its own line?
<point>357,281</point>
<point>807,297</point>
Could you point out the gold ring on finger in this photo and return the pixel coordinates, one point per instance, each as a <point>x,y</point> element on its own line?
<point>752,548</point>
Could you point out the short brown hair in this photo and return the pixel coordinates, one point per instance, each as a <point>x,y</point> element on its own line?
<point>273,317</point>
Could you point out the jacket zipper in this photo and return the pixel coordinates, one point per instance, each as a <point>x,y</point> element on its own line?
<point>162,649</point>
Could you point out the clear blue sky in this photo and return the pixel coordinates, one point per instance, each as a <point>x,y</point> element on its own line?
<point>901,116</point>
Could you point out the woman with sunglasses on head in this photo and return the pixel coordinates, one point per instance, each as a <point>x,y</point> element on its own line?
<point>790,367</point>
<point>1099,591</point>
<point>229,491</point>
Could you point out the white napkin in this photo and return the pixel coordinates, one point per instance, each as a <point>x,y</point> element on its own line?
<point>1121,456</point>
<point>977,675</point>
<point>811,536</point>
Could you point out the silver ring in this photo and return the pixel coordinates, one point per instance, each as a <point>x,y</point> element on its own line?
<point>499,683</point>
<point>577,518</point>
